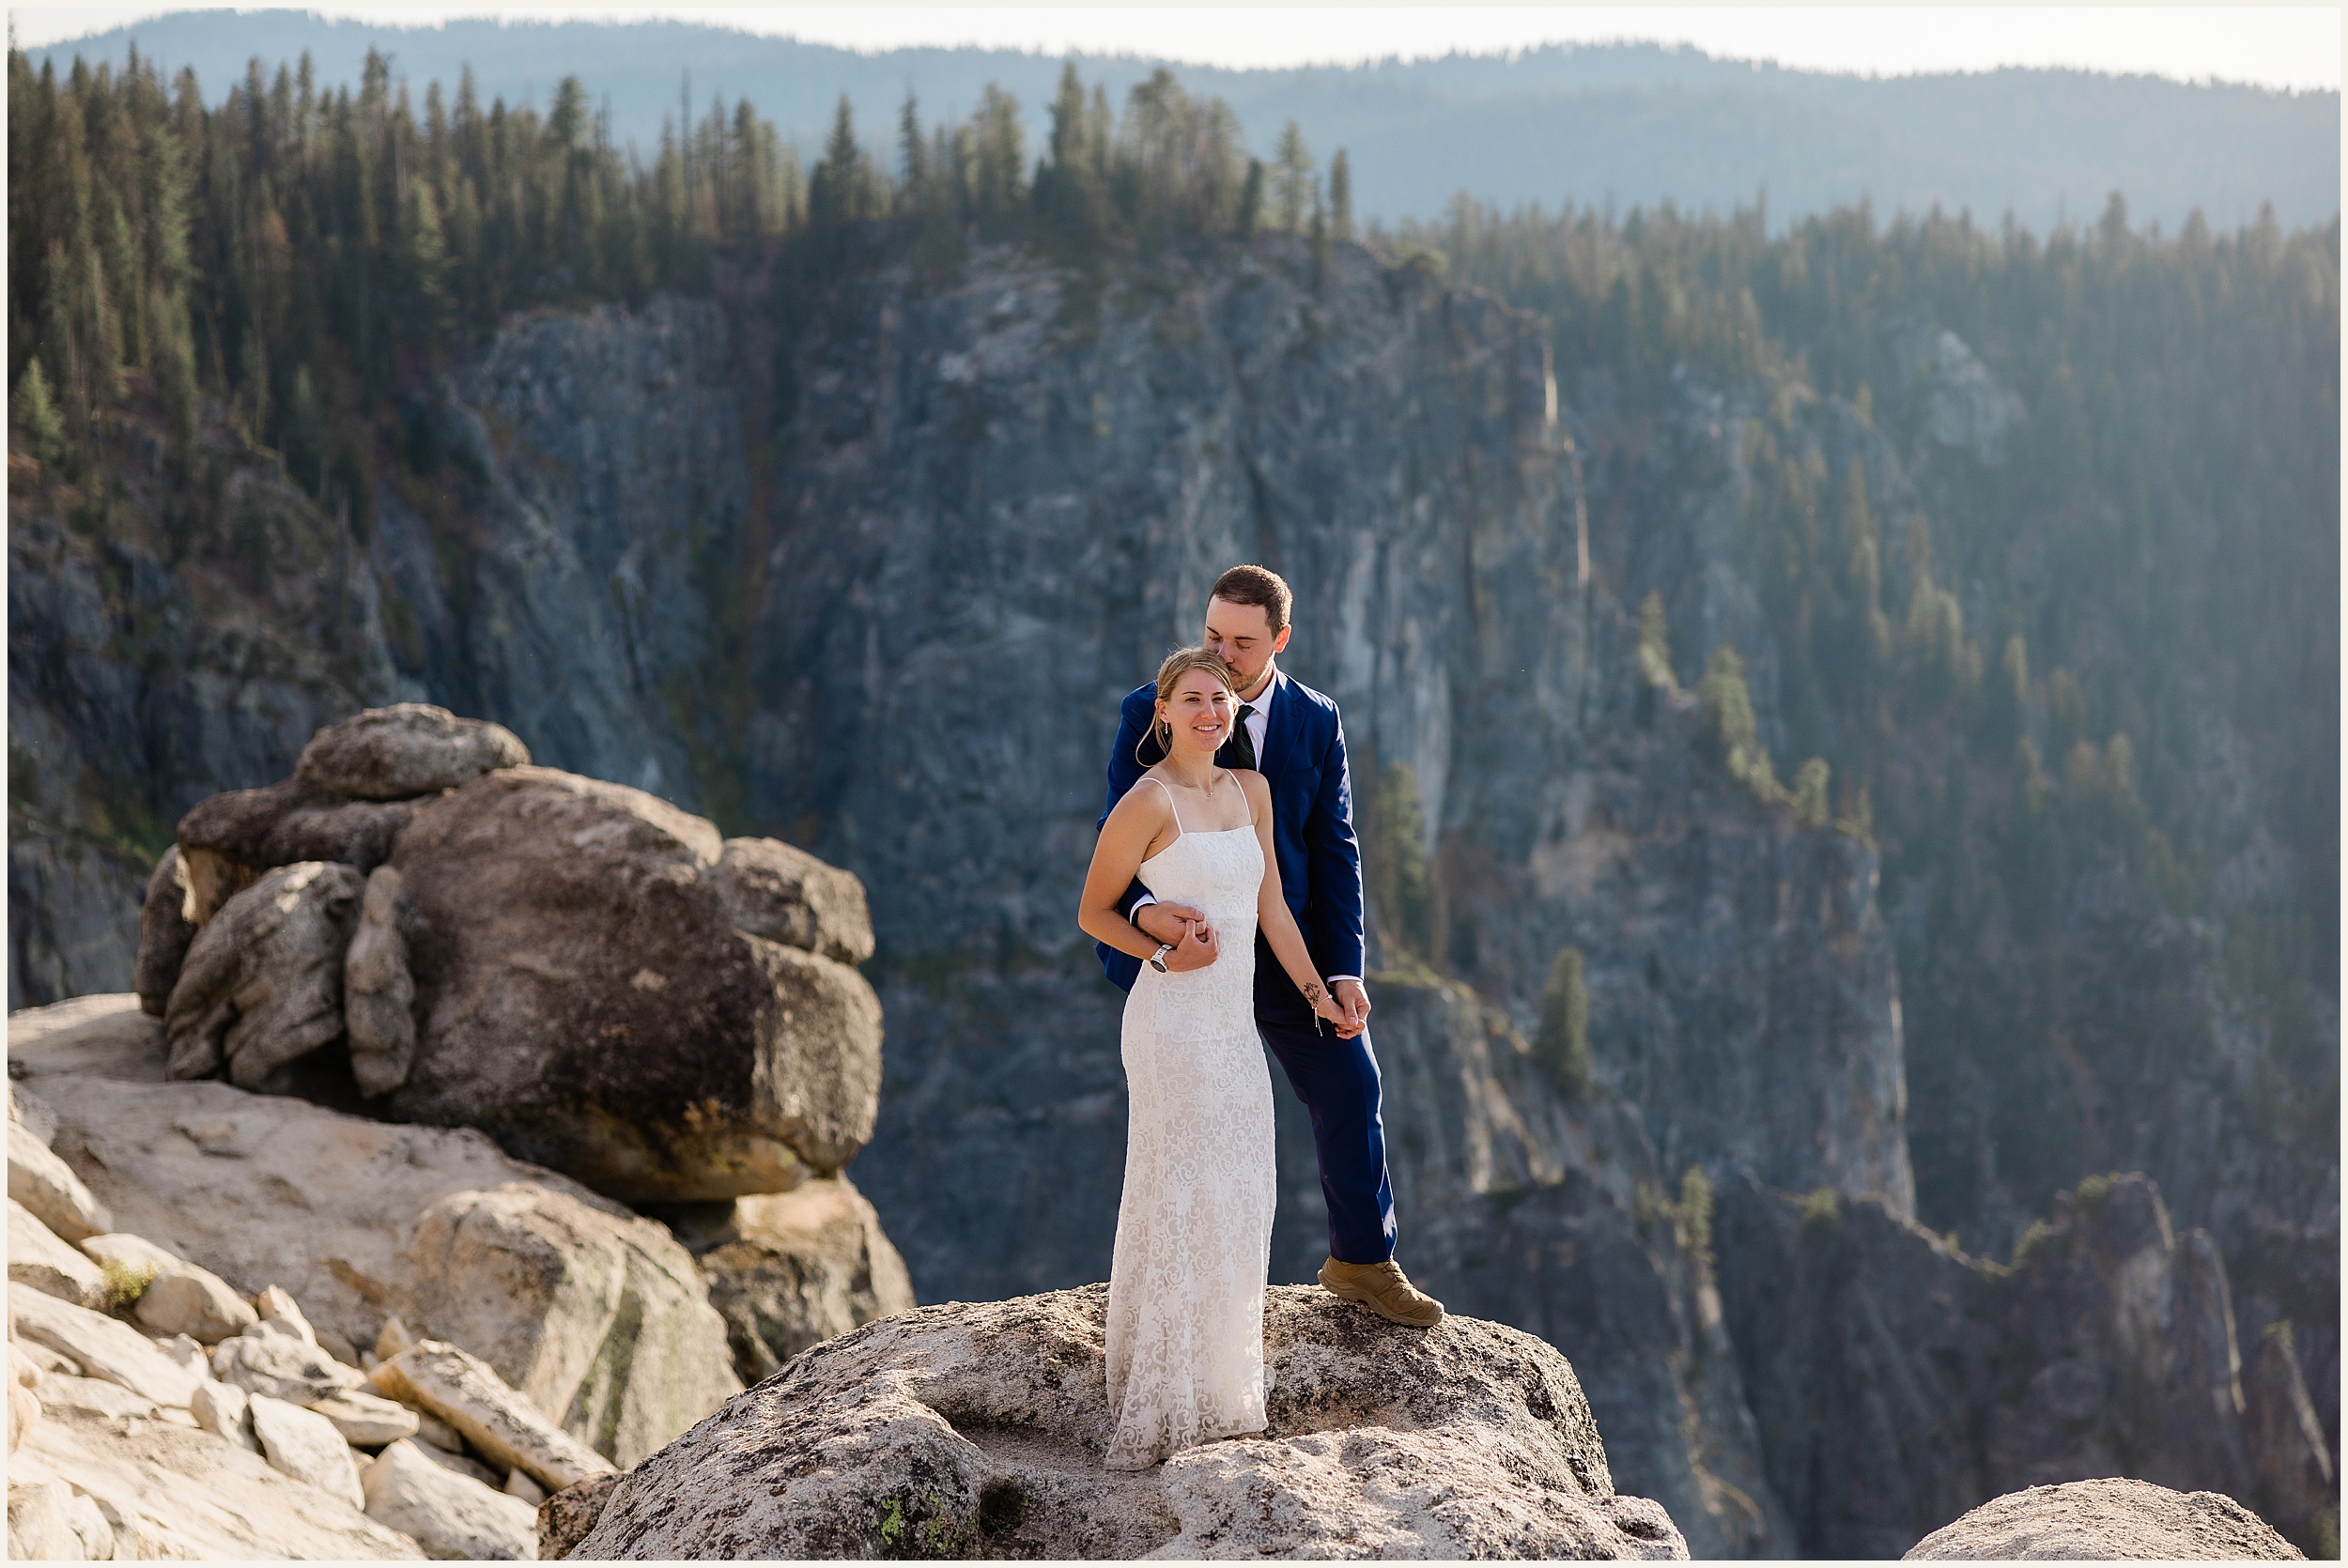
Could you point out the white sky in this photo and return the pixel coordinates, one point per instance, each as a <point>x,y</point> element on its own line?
<point>2279,47</point>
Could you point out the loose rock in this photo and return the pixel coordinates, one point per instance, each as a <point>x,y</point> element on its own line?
<point>23,1404</point>
<point>979,1429</point>
<point>38,1259</point>
<point>540,1286</point>
<point>464,1392</point>
<point>263,982</point>
<point>2081,1520</point>
<point>366,1419</point>
<point>458,1462</point>
<point>195,1302</point>
<point>224,1411</point>
<point>435,1433</point>
<point>98,1396</point>
<point>104,1348</point>
<point>408,748</point>
<point>378,993</point>
<point>267,1360</point>
<point>448,1514</point>
<point>180,1297</point>
<point>48,1519</point>
<point>229,839</point>
<point>305,1446</point>
<point>784,894</point>
<point>47,1186</point>
<point>275,1307</point>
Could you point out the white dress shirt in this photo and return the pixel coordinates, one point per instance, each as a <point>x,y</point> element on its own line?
<point>1258,721</point>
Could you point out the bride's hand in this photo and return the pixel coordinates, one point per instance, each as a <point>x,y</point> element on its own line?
<point>1326,1008</point>
<point>1200,945</point>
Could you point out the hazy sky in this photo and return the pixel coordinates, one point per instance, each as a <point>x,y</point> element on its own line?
<point>2279,47</point>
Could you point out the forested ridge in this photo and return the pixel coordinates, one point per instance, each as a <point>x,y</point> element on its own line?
<point>2000,669</point>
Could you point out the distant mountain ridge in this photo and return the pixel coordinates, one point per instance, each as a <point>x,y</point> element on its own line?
<point>1633,124</point>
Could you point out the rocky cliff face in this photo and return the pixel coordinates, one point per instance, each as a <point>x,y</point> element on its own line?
<point>868,568</point>
<point>1005,497</point>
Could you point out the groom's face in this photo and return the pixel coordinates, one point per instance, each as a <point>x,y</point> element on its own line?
<point>1243,638</point>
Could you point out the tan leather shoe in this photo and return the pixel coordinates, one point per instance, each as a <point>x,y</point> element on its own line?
<point>1385,1289</point>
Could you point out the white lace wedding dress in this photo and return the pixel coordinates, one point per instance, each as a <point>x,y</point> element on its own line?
<point>1194,1229</point>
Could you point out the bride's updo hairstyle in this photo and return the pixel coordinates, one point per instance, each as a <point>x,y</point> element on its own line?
<point>1176,664</point>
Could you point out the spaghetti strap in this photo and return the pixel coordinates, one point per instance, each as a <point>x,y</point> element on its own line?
<point>1178,829</point>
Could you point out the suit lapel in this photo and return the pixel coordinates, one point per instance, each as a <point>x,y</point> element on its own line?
<point>1277,727</point>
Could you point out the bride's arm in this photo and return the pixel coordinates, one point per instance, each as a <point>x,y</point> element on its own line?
<point>1125,839</point>
<point>1277,923</point>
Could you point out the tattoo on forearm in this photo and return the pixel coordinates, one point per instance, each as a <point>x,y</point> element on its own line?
<point>1313,993</point>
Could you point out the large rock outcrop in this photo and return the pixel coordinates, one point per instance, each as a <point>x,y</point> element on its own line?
<point>583,994</point>
<point>2106,1520</point>
<point>978,1430</point>
<point>584,971</point>
<point>598,1313</point>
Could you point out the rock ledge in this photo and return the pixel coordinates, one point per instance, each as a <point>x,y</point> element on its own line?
<point>978,1430</point>
<point>2102,1520</point>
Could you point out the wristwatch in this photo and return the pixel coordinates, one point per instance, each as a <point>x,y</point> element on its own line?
<point>1157,960</point>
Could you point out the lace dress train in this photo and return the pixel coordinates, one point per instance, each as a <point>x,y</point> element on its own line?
<point>1193,1227</point>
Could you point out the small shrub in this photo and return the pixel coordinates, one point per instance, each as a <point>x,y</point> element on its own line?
<point>1810,800</point>
<point>1821,1212</point>
<point>1655,644</point>
<point>1564,1044</point>
<point>2032,1235</point>
<point>2093,1191</point>
<point>125,1283</point>
<point>1728,714</point>
<point>1695,1215</point>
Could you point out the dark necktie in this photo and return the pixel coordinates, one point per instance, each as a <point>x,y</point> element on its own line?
<point>1240,750</point>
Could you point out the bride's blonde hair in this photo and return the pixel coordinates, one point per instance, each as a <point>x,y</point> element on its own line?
<point>1170,670</point>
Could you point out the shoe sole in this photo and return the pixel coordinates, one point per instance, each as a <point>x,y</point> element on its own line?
<point>1345,1294</point>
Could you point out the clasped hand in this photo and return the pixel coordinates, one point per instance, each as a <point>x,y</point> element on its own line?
<point>1196,943</point>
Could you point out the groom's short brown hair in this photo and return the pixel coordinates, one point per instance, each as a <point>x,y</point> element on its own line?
<point>1259,585</point>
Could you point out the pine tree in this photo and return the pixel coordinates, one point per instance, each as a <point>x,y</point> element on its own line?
<point>836,195</point>
<point>37,416</point>
<point>1291,179</point>
<point>1342,196</point>
<point>912,154</point>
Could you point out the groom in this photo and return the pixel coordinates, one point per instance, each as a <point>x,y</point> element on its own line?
<point>1290,735</point>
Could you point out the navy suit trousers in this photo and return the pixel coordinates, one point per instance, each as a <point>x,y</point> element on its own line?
<point>1337,1081</point>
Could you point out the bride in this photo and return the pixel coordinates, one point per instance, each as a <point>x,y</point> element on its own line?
<point>1194,1229</point>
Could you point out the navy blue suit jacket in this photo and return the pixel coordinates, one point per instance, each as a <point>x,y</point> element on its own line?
<point>1312,832</point>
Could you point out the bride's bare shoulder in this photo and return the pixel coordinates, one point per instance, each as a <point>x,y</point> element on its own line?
<point>1259,790</point>
<point>1144,804</point>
